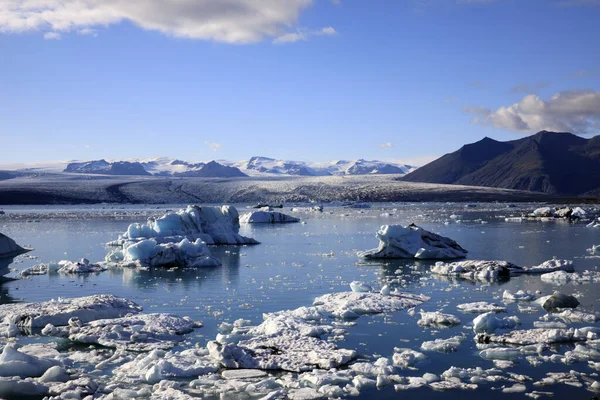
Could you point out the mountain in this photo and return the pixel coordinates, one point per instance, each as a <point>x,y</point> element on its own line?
<point>106,168</point>
<point>551,162</point>
<point>213,170</point>
<point>356,167</point>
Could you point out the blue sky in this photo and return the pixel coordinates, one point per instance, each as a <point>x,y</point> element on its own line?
<point>293,79</point>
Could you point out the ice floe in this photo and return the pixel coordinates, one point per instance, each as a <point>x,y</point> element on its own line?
<point>443,345</point>
<point>437,319</point>
<point>407,358</point>
<point>397,241</point>
<point>476,269</point>
<point>480,307</point>
<point>354,304</point>
<point>267,217</point>
<point>80,267</point>
<point>149,253</point>
<point>520,295</point>
<point>550,266</point>
<point>58,312</point>
<point>488,322</point>
<point>142,332</point>
<point>536,336</point>
<point>212,225</point>
<point>562,277</point>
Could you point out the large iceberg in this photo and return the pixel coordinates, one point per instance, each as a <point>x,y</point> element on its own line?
<point>476,269</point>
<point>212,225</point>
<point>397,241</point>
<point>149,253</point>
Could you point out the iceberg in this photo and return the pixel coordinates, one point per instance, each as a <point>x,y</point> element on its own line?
<point>81,267</point>
<point>558,300</point>
<point>212,225</point>
<point>537,336</point>
<point>149,253</point>
<point>353,304</point>
<point>58,312</point>
<point>480,307</point>
<point>437,319</point>
<point>562,277</point>
<point>443,345</point>
<point>397,241</point>
<point>267,217</point>
<point>143,332</point>
<point>488,322</point>
<point>550,266</point>
<point>476,269</point>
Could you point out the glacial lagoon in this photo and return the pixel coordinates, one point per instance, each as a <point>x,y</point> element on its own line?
<point>296,263</point>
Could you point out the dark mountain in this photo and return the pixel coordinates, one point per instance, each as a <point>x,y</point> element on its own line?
<point>550,162</point>
<point>106,168</point>
<point>214,170</point>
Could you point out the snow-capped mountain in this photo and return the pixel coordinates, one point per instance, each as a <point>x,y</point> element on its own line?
<point>256,166</point>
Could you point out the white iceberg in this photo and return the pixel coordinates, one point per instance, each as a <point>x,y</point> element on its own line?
<point>407,358</point>
<point>358,286</point>
<point>354,304</point>
<point>16,363</point>
<point>149,253</point>
<point>476,269</point>
<point>267,217</point>
<point>520,295</point>
<point>480,307</point>
<point>550,266</point>
<point>488,322</point>
<point>81,267</point>
<point>58,312</point>
<point>143,332</point>
<point>397,241</point>
<point>212,225</point>
<point>436,318</point>
<point>543,212</point>
<point>537,336</point>
<point>562,277</point>
<point>443,345</point>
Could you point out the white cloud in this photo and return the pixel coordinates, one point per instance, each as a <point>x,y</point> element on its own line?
<point>231,21</point>
<point>213,146</point>
<point>387,145</point>
<point>576,111</point>
<point>52,36</point>
<point>303,34</point>
<point>529,87</point>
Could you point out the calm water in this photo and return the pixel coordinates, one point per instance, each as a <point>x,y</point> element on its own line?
<point>297,262</point>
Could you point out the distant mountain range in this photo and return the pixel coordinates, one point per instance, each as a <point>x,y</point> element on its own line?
<point>551,162</point>
<point>164,166</point>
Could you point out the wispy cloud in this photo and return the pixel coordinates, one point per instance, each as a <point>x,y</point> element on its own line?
<point>585,73</point>
<point>52,36</point>
<point>231,21</point>
<point>213,146</point>
<point>576,111</point>
<point>529,88</point>
<point>476,84</point>
<point>304,34</point>
<point>387,145</point>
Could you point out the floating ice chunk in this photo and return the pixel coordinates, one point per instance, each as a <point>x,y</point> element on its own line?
<point>305,313</point>
<point>282,323</point>
<point>16,388</point>
<point>81,267</point>
<point>516,388</point>
<point>243,374</point>
<point>562,277</point>
<point>520,295</point>
<point>318,378</point>
<point>535,336</point>
<point>550,266</point>
<point>443,345</point>
<point>267,217</point>
<point>40,269</point>
<point>354,304</point>
<point>437,318</point>
<point>595,249</point>
<point>480,307</point>
<point>549,325</point>
<point>212,225</point>
<point>488,322</point>
<point>358,286</point>
<point>58,312</point>
<point>543,212</point>
<point>150,253</point>
<point>142,332</point>
<point>15,363</point>
<point>576,316</point>
<point>500,353</point>
<point>396,241</point>
<point>578,212</point>
<point>288,352</point>
<point>158,365</point>
<point>476,269</point>
<point>407,358</point>
<point>559,300</point>
<point>382,366</point>
<point>513,219</point>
